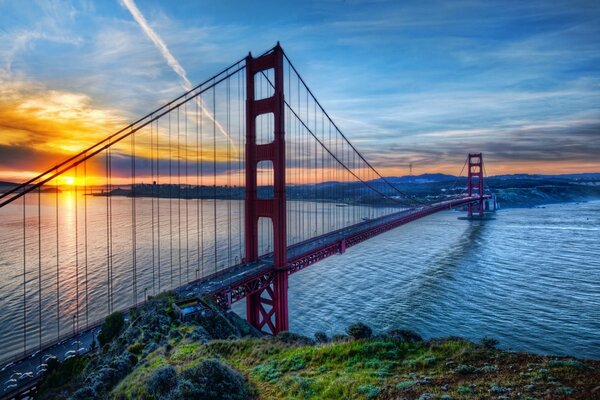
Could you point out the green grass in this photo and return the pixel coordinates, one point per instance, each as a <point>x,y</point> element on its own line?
<point>291,367</point>
<point>364,369</point>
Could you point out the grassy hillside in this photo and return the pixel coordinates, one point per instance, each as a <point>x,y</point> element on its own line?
<point>156,357</point>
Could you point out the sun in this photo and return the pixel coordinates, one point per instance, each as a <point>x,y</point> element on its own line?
<point>68,180</point>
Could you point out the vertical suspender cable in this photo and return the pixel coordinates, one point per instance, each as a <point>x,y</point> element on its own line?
<point>199,227</point>
<point>214,130</point>
<point>170,205</point>
<point>24,280</point>
<point>179,194</point>
<point>85,231</point>
<point>76,319</point>
<point>152,198</point>
<point>57,263</point>
<point>201,190</point>
<point>40,269</point>
<point>187,188</point>
<point>158,206</point>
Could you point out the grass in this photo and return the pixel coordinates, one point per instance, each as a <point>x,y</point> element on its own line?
<point>293,367</point>
<point>381,368</point>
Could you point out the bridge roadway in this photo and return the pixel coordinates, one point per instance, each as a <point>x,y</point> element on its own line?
<point>235,283</point>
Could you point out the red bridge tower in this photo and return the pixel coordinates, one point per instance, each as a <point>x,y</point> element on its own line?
<point>269,306</point>
<point>475,183</point>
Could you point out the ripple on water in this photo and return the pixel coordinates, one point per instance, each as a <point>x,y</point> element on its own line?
<point>530,278</point>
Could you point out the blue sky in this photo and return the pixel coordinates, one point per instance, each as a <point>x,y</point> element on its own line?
<point>420,82</point>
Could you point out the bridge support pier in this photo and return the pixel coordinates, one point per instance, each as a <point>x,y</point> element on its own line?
<point>475,183</point>
<point>267,310</point>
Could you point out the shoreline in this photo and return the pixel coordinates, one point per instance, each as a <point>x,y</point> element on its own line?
<point>356,364</point>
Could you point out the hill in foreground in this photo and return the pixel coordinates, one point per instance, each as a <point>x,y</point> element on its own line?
<point>152,355</point>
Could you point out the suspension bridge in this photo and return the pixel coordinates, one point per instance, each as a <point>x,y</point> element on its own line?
<point>226,190</point>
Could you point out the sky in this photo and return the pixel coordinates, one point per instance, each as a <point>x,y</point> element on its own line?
<point>409,82</point>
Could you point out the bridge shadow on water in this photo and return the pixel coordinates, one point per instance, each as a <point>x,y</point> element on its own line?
<point>434,282</point>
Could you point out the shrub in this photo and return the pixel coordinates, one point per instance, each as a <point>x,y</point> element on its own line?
<point>162,380</point>
<point>465,369</point>
<point>464,390</point>
<point>104,379</point>
<point>489,343</point>
<point>152,346</point>
<point>404,335</point>
<point>359,331</point>
<point>136,348</point>
<point>321,337</point>
<point>339,337</point>
<point>66,371</point>
<point>111,328</point>
<point>293,338</point>
<point>405,385</point>
<point>267,372</point>
<point>213,379</point>
<point>562,363</point>
<point>370,391</point>
<point>85,393</point>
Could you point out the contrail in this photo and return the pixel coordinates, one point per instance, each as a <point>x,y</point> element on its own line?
<point>171,60</point>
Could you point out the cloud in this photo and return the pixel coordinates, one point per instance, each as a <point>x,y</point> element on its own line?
<point>158,42</point>
<point>173,63</point>
<point>51,124</point>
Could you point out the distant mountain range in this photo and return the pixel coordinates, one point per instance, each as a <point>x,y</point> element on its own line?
<point>431,178</point>
<point>440,178</point>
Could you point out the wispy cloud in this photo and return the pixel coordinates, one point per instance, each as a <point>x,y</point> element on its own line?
<point>173,63</point>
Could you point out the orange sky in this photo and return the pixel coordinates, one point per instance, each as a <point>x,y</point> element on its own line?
<point>44,126</point>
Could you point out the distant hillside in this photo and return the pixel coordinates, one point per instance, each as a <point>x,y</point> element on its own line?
<point>5,183</point>
<point>423,178</point>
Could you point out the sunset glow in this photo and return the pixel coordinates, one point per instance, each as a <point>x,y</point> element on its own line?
<point>528,99</point>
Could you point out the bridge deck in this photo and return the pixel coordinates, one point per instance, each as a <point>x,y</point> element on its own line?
<point>235,283</point>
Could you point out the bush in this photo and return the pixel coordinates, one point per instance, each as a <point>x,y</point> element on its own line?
<point>85,393</point>
<point>561,363</point>
<point>339,337</point>
<point>465,369</point>
<point>370,391</point>
<point>162,380</point>
<point>489,343</point>
<point>136,348</point>
<point>359,331</point>
<point>111,328</point>
<point>104,379</point>
<point>404,335</point>
<point>294,338</point>
<point>321,337</point>
<point>66,371</point>
<point>212,379</point>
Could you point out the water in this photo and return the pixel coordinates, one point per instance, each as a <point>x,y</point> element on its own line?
<point>529,278</point>
<point>191,239</point>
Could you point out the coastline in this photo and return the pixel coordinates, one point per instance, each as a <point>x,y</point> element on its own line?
<point>359,364</point>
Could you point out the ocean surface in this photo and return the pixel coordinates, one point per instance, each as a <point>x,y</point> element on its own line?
<point>529,277</point>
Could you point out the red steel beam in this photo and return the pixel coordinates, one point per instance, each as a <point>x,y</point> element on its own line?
<point>255,284</point>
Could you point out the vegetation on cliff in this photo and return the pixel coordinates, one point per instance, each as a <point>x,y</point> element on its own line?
<point>155,356</point>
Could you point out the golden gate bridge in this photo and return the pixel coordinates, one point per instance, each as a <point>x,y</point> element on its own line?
<point>226,191</point>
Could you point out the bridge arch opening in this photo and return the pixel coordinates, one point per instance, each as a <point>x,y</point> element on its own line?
<point>265,133</point>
